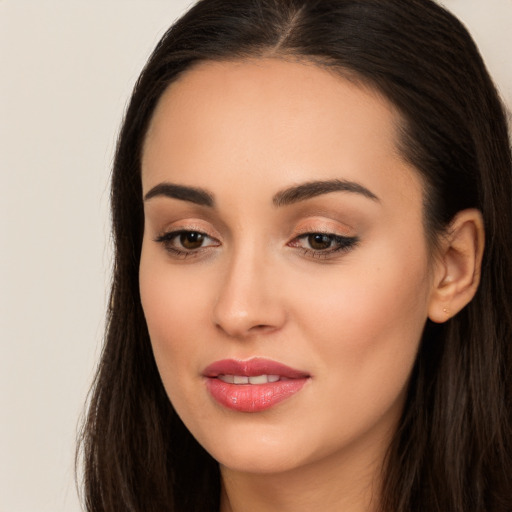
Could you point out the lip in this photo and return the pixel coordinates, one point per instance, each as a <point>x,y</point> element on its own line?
<point>252,397</point>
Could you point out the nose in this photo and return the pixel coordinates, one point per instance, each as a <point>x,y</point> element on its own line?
<point>249,301</point>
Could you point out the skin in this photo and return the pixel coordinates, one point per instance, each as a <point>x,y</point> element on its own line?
<point>353,319</point>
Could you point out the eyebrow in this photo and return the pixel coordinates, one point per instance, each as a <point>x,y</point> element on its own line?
<point>316,188</point>
<point>192,194</point>
<point>285,197</point>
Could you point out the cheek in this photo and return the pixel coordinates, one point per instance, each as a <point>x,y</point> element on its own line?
<point>371,309</point>
<point>172,295</point>
<point>171,308</point>
<point>367,328</point>
<point>386,290</point>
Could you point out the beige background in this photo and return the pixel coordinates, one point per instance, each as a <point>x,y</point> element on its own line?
<point>67,69</point>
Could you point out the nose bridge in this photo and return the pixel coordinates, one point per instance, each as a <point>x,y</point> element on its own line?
<point>247,301</point>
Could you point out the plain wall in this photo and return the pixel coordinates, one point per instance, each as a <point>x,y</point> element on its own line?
<point>67,70</point>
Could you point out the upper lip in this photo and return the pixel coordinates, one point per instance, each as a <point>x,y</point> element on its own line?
<point>252,368</point>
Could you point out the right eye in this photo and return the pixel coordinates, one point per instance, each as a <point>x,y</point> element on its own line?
<point>185,243</point>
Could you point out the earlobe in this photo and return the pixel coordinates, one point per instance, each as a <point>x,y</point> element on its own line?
<point>457,266</point>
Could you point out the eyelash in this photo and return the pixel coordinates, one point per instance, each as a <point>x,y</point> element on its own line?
<point>341,243</point>
<point>167,240</point>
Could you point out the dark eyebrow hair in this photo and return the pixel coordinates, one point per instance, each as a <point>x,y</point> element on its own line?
<point>316,188</point>
<point>181,192</point>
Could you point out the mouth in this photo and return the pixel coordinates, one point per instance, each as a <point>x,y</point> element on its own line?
<point>244,379</point>
<point>254,385</point>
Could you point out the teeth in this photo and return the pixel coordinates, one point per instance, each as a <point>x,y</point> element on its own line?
<point>258,379</point>
<point>242,379</point>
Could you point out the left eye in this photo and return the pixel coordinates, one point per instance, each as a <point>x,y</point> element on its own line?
<point>320,241</point>
<point>323,243</point>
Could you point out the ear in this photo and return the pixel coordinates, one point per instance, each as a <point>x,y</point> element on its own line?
<point>457,266</point>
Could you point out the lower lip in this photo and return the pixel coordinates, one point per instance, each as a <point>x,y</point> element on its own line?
<point>253,397</point>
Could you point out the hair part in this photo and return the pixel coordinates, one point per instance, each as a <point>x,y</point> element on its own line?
<point>453,448</point>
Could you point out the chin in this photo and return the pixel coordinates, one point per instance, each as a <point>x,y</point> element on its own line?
<point>257,460</point>
<point>250,450</point>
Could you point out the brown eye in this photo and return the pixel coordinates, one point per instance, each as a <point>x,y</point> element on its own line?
<point>191,239</point>
<point>185,243</point>
<point>319,241</point>
<point>324,245</point>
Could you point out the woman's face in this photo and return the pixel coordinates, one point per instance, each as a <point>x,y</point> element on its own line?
<point>284,275</point>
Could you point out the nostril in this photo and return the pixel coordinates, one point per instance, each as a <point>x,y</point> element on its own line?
<point>240,331</point>
<point>262,328</point>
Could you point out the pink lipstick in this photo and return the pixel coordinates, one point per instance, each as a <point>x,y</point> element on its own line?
<point>253,385</point>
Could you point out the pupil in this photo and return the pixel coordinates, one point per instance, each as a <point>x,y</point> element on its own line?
<point>191,240</point>
<point>319,241</point>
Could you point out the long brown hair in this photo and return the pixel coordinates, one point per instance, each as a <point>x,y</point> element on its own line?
<point>452,451</point>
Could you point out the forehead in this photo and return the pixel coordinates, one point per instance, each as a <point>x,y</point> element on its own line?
<point>281,120</point>
<point>301,91</point>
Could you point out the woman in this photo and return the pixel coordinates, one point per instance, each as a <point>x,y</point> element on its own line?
<point>303,314</point>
